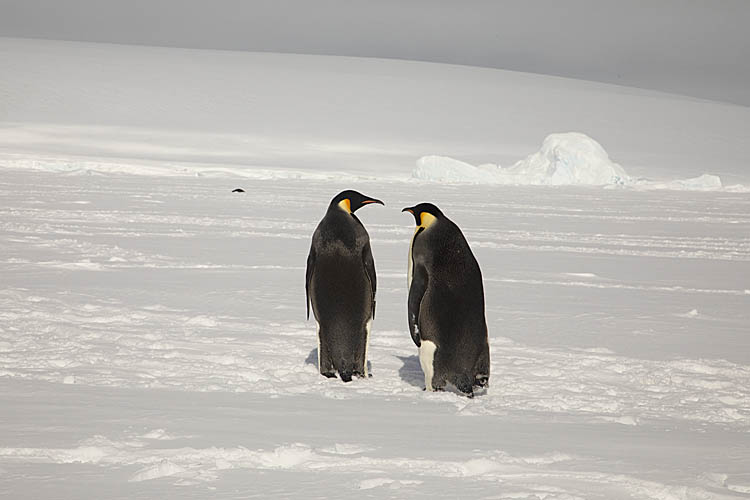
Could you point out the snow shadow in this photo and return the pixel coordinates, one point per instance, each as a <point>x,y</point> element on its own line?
<point>312,358</point>
<point>411,371</point>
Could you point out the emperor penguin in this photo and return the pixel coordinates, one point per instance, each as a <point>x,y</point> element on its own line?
<point>340,285</point>
<point>446,304</point>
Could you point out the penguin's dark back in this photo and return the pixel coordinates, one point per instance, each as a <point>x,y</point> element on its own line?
<point>340,290</point>
<point>449,255</point>
<point>340,231</point>
<point>454,301</point>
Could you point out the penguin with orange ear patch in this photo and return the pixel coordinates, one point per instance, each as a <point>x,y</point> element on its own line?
<point>446,304</point>
<point>340,286</point>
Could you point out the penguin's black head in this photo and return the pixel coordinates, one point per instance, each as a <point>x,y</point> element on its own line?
<point>424,214</point>
<point>351,201</point>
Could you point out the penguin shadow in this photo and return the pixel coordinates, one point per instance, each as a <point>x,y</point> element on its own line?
<point>411,371</point>
<point>312,359</point>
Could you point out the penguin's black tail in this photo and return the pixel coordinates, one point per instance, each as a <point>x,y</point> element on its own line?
<point>465,384</point>
<point>345,368</point>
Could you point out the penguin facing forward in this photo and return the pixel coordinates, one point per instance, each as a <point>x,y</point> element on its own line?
<point>340,286</point>
<point>446,304</point>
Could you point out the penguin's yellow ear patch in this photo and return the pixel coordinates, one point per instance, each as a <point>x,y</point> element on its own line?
<point>346,204</point>
<point>426,219</point>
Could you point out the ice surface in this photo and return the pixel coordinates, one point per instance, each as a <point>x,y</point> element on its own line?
<point>449,170</point>
<point>705,182</point>
<point>568,159</point>
<point>564,160</point>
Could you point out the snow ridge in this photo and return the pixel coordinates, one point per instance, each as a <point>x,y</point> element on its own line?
<point>188,466</point>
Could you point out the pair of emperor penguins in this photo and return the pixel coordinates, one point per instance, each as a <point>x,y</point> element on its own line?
<point>445,304</point>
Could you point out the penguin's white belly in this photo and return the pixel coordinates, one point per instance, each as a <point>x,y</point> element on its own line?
<point>367,344</point>
<point>427,360</point>
<point>318,335</point>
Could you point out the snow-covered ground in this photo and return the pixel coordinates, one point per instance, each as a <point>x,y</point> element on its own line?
<point>152,333</point>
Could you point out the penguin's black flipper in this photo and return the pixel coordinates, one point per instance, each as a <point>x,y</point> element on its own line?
<point>308,278</point>
<point>369,263</point>
<point>416,292</point>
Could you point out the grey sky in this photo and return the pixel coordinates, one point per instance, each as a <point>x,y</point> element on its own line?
<point>697,48</point>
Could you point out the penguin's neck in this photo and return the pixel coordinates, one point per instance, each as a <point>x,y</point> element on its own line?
<point>426,219</point>
<point>410,269</point>
<point>346,206</point>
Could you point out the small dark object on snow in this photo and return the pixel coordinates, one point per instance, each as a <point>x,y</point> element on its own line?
<point>238,190</point>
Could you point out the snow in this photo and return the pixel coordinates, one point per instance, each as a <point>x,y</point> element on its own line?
<point>152,333</point>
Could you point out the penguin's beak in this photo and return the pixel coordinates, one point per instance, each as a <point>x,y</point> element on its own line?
<point>417,218</point>
<point>373,200</point>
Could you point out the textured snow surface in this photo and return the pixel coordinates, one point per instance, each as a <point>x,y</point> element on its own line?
<point>152,344</point>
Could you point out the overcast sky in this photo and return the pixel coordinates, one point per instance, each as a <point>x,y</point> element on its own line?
<point>697,48</point>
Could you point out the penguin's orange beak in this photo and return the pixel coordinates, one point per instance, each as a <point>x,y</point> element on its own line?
<point>417,218</point>
<point>367,202</point>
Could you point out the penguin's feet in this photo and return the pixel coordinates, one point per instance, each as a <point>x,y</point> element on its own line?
<point>329,374</point>
<point>346,376</point>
